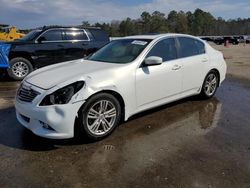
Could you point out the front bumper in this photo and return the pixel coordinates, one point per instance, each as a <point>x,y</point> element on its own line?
<point>59,118</point>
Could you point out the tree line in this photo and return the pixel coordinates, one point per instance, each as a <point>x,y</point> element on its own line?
<point>199,23</point>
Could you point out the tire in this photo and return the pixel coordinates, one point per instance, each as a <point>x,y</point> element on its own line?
<point>210,85</point>
<point>93,121</point>
<point>19,68</point>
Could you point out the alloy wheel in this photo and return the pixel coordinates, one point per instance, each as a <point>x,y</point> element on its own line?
<point>210,84</point>
<point>101,117</point>
<point>20,69</point>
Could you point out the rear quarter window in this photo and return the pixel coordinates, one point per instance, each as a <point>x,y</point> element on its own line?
<point>99,35</point>
<point>190,47</point>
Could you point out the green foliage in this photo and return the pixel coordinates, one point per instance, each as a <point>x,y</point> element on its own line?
<point>127,27</point>
<point>199,23</point>
<point>85,23</point>
<point>202,22</point>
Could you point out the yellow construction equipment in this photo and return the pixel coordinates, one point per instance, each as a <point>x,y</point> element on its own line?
<point>10,34</point>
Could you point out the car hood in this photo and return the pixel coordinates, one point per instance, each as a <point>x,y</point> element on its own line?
<point>51,76</point>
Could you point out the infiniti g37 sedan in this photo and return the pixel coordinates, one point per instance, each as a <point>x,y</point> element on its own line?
<point>123,78</point>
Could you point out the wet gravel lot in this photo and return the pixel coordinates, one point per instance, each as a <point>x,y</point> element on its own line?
<point>190,143</point>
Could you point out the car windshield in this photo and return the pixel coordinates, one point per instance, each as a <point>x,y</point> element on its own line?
<point>31,35</point>
<point>120,51</point>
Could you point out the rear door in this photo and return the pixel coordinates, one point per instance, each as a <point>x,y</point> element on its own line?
<point>75,43</point>
<point>193,55</point>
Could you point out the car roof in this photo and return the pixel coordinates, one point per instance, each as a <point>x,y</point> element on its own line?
<point>69,27</point>
<point>158,36</point>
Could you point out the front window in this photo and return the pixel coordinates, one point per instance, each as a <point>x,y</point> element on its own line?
<point>53,35</point>
<point>120,51</point>
<point>166,49</point>
<point>31,35</point>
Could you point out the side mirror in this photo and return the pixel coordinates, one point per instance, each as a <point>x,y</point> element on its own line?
<point>153,60</point>
<point>41,39</point>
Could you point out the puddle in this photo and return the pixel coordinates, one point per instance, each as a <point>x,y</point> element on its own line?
<point>206,143</point>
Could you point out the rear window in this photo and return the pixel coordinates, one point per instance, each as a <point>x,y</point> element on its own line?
<point>99,34</point>
<point>190,47</point>
<point>75,35</point>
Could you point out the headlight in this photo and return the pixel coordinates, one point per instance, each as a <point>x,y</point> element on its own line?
<point>63,95</point>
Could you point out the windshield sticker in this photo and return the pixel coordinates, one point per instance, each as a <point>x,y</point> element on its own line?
<point>139,42</point>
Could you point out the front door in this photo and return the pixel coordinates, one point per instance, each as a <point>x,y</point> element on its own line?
<point>49,48</point>
<point>160,82</point>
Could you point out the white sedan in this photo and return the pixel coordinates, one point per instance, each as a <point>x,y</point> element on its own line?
<point>123,78</point>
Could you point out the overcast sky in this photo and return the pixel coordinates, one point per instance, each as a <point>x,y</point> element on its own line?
<point>34,13</point>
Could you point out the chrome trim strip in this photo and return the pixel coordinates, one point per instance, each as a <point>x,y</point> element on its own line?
<point>72,41</point>
<point>73,29</point>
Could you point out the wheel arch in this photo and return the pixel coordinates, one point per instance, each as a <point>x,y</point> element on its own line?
<point>24,55</point>
<point>117,95</point>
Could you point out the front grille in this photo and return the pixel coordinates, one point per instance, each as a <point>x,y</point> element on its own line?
<point>27,94</point>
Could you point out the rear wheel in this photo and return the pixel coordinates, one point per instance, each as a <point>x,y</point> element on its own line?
<point>99,116</point>
<point>210,85</point>
<point>19,68</point>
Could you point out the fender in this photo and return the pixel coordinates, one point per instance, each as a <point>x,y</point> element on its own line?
<point>92,90</point>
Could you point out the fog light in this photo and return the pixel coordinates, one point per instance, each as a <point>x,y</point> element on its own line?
<point>46,126</point>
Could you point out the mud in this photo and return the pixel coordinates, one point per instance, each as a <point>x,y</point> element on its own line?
<point>190,143</point>
<point>238,59</point>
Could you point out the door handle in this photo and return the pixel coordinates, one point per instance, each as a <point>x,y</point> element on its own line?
<point>176,67</point>
<point>60,46</point>
<point>204,60</point>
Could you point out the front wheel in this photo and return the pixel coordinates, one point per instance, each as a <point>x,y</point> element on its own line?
<point>210,85</point>
<point>19,68</point>
<point>99,116</point>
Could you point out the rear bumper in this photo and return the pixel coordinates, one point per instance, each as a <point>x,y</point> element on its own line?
<point>223,71</point>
